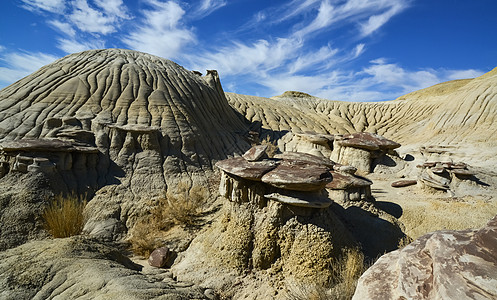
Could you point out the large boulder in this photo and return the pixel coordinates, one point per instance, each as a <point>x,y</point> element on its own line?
<point>440,265</point>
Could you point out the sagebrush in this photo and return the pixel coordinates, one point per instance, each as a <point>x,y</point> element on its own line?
<point>346,272</point>
<point>63,217</point>
<point>180,206</point>
<point>272,149</point>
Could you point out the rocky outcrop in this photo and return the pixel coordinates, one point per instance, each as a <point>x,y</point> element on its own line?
<point>440,265</point>
<point>360,149</point>
<point>81,267</point>
<point>444,175</point>
<point>348,187</point>
<point>282,230</point>
<point>120,125</point>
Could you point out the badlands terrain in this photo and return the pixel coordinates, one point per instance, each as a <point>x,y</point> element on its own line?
<point>282,188</point>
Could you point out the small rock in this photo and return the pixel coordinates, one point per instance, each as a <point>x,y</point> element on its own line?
<point>255,153</point>
<point>404,183</point>
<point>159,257</point>
<point>210,294</point>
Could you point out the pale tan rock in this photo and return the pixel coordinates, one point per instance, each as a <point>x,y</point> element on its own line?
<point>79,267</point>
<point>255,153</point>
<point>440,265</point>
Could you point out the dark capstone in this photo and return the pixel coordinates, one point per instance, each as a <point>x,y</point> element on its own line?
<point>298,176</point>
<point>367,141</point>
<point>256,153</point>
<point>238,166</point>
<point>343,181</point>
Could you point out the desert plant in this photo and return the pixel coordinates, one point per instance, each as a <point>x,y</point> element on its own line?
<point>272,149</point>
<point>180,206</point>
<point>404,241</point>
<point>63,217</point>
<point>346,271</point>
<point>347,268</point>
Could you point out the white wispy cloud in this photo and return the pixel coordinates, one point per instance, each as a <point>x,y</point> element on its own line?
<point>463,74</point>
<point>73,46</point>
<point>53,6</point>
<point>161,32</point>
<point>22,63</point>
<point>89,19</point>
<point>63,27</point>
<point>206,7</point>
<point>376,21</point>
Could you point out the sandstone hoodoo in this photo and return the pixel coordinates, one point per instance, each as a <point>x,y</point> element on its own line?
<point>360,149</point>
<point>443,175</point>
<point>163,156</point>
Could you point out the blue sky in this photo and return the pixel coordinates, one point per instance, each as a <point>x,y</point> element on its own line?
<point>350,50</point>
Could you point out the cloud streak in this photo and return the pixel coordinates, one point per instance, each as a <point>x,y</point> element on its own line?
<point>161,32</point>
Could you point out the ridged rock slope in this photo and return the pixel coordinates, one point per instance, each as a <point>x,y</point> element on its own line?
<point>457,113</point>
<point>150,119</point>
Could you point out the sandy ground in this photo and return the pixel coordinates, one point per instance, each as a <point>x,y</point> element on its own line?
<point>471,205</point>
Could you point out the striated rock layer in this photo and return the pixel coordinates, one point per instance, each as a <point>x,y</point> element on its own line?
<point>145,119</point>
<point>440,265</point>
<point>447,113</point>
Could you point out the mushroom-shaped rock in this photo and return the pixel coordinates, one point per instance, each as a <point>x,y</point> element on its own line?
<point>240,167</point>
<point>255,153</point>
<point>305,158</point>
<point>298,176</point>
<point>342,181</point>
<point>367,141</point>
<point>403,183</point>
<point>301,199</point>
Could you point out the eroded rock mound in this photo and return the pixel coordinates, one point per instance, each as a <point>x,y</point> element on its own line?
<point>440,265</point>
<point>118,124</point>
<point>81,267</point>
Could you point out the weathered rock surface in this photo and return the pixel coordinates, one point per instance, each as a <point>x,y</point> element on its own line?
<point>440,265</point>
<point>255,153</point>
<point>145,121</point>
<point>81,268</point>
<point>367,141</point>
<point>303,200</point>
<point>298,176</point>
<point>404,183</point>
<point>252,170</point>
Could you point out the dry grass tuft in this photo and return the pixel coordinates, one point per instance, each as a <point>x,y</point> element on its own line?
<point>404,241</point>
<point>346,271</point>
<point>272,149</point>
<point>183,206</point>
<point>63,217</point>
<point>347,268</point>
